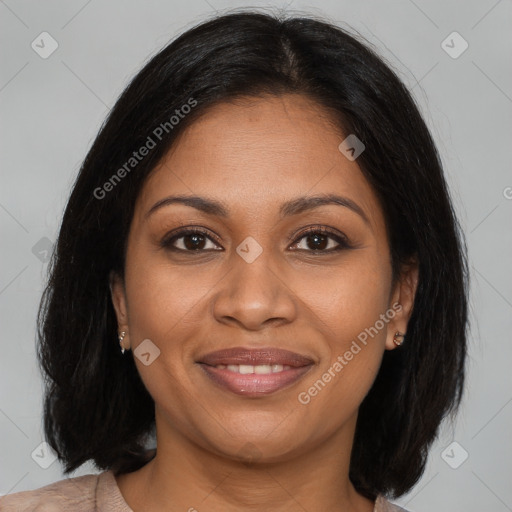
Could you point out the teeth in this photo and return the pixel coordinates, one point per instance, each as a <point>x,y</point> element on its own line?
<point>261,369</point>
<point>244,369</point>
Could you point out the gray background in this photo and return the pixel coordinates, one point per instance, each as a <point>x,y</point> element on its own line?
<point>51,110</point>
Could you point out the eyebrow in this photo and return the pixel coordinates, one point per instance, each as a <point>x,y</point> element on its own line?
<point>291,207</point>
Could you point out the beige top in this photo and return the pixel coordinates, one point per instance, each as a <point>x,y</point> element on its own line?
<point>94,493</point>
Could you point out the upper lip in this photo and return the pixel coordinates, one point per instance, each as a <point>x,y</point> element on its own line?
<point>240,355</point>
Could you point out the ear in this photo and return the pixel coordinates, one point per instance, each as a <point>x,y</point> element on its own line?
<point>118,294</point>
<point>402,301</point>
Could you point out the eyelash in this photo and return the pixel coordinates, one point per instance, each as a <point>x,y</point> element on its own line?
<point>340,239</point>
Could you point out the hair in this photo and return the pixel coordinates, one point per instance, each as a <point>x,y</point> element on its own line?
<point>95,404</point>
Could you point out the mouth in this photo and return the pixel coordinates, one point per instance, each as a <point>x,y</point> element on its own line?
<point>254,372</point>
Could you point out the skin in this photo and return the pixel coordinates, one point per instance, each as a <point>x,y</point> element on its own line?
<point>253,155</point>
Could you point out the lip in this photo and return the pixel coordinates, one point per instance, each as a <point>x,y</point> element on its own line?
<point>266,355</point>
<point>254,385</point>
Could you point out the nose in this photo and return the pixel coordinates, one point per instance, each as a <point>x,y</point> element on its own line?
<point>254,295</point>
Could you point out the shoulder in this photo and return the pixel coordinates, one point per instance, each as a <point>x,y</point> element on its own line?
<point>77,494</point>
<point>383,505</point>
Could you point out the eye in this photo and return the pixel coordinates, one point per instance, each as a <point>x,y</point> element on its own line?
<point>317,239</point>
<point>189,240</point>
<point>321,240</point>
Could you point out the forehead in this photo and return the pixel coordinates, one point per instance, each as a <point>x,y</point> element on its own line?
<point>256,153</point>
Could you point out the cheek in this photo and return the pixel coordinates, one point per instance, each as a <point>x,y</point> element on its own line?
<point>164,299</point>
<point>164,306</point>
<point>348,308</point>
<point>348,298</point>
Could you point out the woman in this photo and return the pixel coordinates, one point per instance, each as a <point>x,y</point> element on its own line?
<point>260,264</point>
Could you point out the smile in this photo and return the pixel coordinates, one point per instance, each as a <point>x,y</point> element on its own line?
<point>254,372</point>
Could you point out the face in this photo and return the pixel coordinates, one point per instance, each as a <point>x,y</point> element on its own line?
<point>265,267</point>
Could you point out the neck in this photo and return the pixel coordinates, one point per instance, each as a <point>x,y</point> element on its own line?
<point>186,476</point>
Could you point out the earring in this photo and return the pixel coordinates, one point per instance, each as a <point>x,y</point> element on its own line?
<point>396,341</point>
<point>121,337</point>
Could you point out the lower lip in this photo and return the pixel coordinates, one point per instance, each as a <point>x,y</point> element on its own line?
<point>252,384</point>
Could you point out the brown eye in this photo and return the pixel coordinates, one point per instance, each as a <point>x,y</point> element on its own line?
<point>321,240</point>
<point>189,240</point>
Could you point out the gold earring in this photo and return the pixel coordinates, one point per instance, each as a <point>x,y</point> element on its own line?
<point>121,338</point>
<point>396,341</point>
